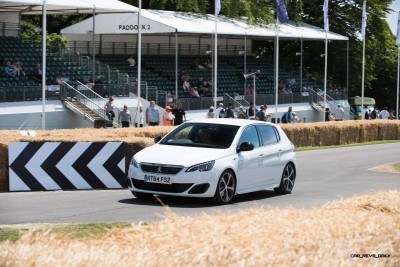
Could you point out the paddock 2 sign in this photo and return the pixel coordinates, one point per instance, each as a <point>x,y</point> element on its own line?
<point>131,27</point>
<point>41,166</point>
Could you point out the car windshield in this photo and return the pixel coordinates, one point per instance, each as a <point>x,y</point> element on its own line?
<point>202,135</point>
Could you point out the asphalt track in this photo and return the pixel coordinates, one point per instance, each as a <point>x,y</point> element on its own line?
<point>322,176</point>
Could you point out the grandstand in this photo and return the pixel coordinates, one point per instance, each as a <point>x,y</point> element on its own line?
<point>22,88</point>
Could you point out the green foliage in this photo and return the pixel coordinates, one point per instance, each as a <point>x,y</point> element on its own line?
<point>33,33</point>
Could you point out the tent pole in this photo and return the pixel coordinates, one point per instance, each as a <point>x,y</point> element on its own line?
<point>139,63</point>
<point>326,73</point>
<point>215,58</point>
<point>176,67</point>
<point>94,46</point>
<point>44,36</point>
<point>276,69</point>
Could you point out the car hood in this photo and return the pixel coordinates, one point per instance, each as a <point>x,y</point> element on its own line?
<point>179,155</point>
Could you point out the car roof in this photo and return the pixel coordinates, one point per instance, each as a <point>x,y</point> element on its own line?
<point>228,121</point>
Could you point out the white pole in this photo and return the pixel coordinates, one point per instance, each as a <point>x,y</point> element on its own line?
<point>176,67</point>
<point>254,89</point>
<point>326,73</point>
<point>94,46</point>
<point>363,61</point>
<point>362,79</point>
<point>398,73</point>
<point>139,63</point>
<point>301,65</point>
<point>244,64</point>
<point>215,58</point>
<point>44,35</point>
<point>276,69</point>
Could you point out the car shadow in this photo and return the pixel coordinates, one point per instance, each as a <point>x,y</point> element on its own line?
<point>188,202</point>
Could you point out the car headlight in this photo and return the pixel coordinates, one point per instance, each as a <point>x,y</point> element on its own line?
<point>202,167</point>
<point>134,163</point>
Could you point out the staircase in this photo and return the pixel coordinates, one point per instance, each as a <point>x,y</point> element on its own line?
<point>317,103</point>
<point>81,104</point>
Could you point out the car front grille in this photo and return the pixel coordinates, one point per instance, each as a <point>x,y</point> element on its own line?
<point>161,169</point>
<point>167,188</point>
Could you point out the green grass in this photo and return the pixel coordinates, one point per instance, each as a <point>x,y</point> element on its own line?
<point>307,148</point>
<point>73,231</point>
<point>396,166</point>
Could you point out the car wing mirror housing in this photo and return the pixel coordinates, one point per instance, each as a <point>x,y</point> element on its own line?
<point>157,139</point>
<point>245,146</point>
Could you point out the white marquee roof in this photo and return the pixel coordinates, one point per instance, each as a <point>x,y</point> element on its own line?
<point>159,21</point>
<point>31,7</point>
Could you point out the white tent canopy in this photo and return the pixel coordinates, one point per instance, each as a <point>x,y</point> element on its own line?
<point>31,7</point>
<point>159,21</point>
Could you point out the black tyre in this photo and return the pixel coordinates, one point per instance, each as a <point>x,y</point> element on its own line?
<point>142,195</point>
<point>226,188</point>
<point>287,180</point>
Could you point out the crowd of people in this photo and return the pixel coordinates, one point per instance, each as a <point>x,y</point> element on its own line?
<point>375,113</point>
<point>194,88</point>
<point>11,71</point>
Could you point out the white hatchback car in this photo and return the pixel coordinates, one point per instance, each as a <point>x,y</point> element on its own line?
<point>215,158</point>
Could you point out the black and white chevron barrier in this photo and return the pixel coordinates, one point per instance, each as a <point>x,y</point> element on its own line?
<point>66,166</point>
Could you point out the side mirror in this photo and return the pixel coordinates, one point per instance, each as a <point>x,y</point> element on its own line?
<point>245,146</point>
<point>157,139</point>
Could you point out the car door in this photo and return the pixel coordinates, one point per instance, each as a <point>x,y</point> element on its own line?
<point>249,162</point>
<point>271,164</point>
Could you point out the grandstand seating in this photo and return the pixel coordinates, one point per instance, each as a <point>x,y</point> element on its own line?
<point>23,88</point>
<point>159,71</point>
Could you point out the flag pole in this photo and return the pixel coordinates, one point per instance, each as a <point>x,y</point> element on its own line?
<point>326,73</point>
<point>363,57</point>
<point>276,68</point>
<point>398,74</point>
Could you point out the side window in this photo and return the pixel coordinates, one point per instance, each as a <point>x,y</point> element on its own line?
<point>250,135</point>
<point>268,135</point>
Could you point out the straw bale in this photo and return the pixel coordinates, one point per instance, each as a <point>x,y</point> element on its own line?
<point>322,236</point>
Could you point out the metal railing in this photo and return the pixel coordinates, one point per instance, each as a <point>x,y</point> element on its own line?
<point>95,98</point>
<point>69,94</point>
<point>318,97</point>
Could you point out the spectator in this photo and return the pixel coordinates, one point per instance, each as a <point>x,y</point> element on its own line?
<point>267,114</point>
<point>179,113</point>
<point>131,62</point>
<point>327,114</point>
<point>124,117</point>
<point>229,112</point>
<point>37,73</point>
<point>139,118</point>
<point>210,113</point>
<point>260,115</point>
<point>110,108</point>
<point>385,114</point>
<point>59,80</point>
<point>18,71</point>
<point>295,118</point>
<point>251,111</point>
<point>241,114</point>
<point>204,86</point>
<point>193,93</point>
<point>287,116</point>
<point>65,78</point>
<point>186,84</point>
<point>9,69</point>
<point>152,115</point>
<point>339,113</point>
<point>168,117</point>
<point>219,112</point>
<point>365,113</point>
<point>248,90</point>
<point>374,114</point>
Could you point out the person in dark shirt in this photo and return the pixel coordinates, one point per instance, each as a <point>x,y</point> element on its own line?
<point>179,113</point>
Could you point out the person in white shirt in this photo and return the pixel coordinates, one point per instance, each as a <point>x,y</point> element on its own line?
<point>339,113</point>
<point>385,114</point>
<point>131,62</point>
<point>218,110</point>
<point>139,118</point>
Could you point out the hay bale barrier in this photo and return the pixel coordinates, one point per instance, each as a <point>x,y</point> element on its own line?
<point>135,139</point>
<point>360,231</point>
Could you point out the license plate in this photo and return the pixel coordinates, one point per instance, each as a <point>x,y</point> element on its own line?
<point>157,179</point>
